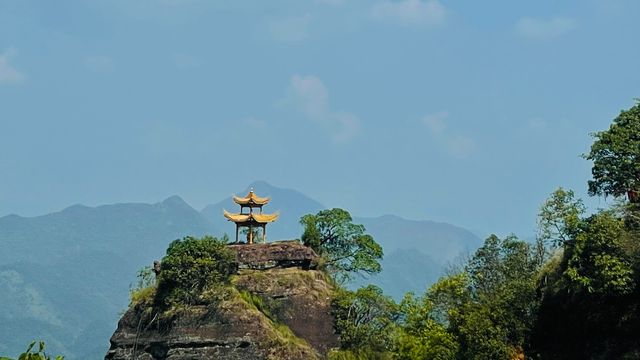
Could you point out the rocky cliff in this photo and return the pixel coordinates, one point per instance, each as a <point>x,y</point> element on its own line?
<point>277,312</point>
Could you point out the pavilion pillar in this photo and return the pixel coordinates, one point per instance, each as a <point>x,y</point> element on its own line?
<point>250,234</point>
<point>237,231</point>
<point>264,233</point>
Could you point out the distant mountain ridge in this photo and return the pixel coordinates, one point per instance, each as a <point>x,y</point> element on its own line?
<point>64,276</point>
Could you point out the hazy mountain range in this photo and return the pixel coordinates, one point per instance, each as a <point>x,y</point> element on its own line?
<point>64,277</point>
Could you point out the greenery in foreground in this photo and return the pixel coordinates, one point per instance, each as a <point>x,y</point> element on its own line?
<point>32,354</point>
<point>573,294</point>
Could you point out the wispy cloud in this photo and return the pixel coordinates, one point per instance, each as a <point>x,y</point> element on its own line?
<point>435,122</point>
<point>8,73</point>
<point>254,123</point>
<point>292,29</point>
<point>410,12</point>
<point>309,95</point>
<point>99,63</point>
<point>543,29</point>
<point>460,146</point>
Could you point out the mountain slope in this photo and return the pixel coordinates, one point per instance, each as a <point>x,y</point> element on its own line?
<point>65,276</point>
<point>124,229</point>
<point>442,242</point>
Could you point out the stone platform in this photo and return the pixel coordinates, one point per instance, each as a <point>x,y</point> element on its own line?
<point>278,254</point>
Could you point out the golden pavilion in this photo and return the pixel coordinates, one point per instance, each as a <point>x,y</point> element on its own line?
<point>251,220</point>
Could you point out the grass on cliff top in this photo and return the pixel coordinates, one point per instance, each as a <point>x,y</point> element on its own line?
<point>316,284</point>
<point>284,334</point>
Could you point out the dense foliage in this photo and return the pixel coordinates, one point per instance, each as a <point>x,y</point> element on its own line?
<point>191,267</point>
<point>616,157</point>
<point>572,294</point>
<point>365,318</point>
<point>484,311</point>
<point>344,246</point>
<point>589,296</point>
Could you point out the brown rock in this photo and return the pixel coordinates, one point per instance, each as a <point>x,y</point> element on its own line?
<point>277,254</point>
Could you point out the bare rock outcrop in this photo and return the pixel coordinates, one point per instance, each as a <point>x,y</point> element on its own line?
<point>280,254</point>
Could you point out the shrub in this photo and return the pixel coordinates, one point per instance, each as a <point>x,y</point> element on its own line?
<point>145,289</point>
<point>192,267</point>
<point>31,354</point>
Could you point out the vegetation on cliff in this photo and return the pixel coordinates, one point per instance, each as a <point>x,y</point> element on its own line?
<point>199,305</point>
<point>194,271</point>
<point>345,248</point>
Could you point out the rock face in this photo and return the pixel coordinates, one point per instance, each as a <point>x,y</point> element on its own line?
<point>299,299</point>
<point>278,313</point>
<point>281,254</point>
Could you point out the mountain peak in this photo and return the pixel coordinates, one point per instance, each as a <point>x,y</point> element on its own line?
<point>175,201</point>
<point>76,208</point>
<point>262,187</point>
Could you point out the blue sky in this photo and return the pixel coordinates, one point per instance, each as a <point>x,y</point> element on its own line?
<point>467,112</point>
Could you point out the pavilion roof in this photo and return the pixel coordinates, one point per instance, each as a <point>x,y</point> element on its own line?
<point>251,199</point>
<point>247,218</point>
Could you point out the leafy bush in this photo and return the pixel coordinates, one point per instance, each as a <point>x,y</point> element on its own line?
<point>31,354</point>
<point>191,268</point>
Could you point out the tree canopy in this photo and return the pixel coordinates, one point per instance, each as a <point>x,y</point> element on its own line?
<point>192,266</point>
<point>616,157</point>
<point>344,246</point>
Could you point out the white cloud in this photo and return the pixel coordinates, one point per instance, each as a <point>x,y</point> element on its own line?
<point>542,29</point>
<point>99,63</point>
<point>8,73</point>
<point>254,123</point>
<point>435,122</point>
<point>460,146</point>
<point>348,126</point>
<point>410,12</point>
<point>293,29</point>
<point>309,95</point>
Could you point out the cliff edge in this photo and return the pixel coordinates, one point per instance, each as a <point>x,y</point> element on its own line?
<point>276,307</point>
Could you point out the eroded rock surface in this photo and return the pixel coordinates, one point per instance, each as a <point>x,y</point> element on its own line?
<point>280,254</point>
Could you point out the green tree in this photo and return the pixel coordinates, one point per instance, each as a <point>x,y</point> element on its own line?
<point>191,267</point>
<point>365,319</point>
<point>420,335</point>
<point>489,308</point>
<point>616,157</point>
<point>559,217</point>
<point>593,274</point>
<point>595,260</point>
<point>32,354</point>
<point>344,246</point>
